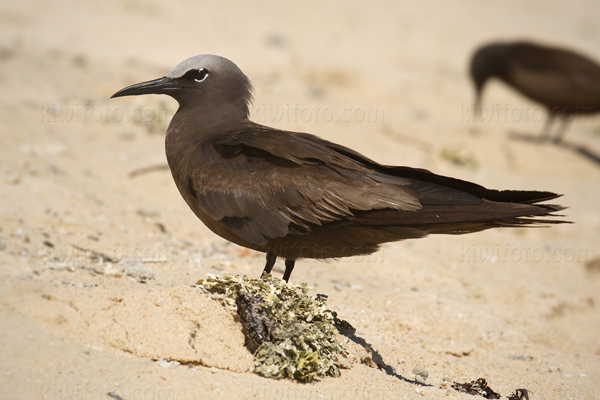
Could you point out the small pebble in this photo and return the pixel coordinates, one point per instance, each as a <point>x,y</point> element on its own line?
<point>420,374</point>
<point>139,271</point>
<point>168,364</point>
<point>149,213</point>
<point>109,269</point>
<point>21,233</point>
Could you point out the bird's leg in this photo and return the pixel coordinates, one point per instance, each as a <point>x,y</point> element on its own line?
<point>271,258</point>
<point>289,266</point>
<point>561,131</point>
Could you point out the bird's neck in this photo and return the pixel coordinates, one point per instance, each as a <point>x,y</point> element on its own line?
<point>191,129</point>
<point>199,124</point>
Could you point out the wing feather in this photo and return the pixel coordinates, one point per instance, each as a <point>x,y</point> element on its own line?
<point>265,184</point>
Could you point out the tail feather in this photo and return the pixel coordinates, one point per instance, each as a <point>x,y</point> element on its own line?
<point>490,214</point>
<point>501,196</point>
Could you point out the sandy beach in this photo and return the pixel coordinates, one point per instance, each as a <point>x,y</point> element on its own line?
<point>99,252</point>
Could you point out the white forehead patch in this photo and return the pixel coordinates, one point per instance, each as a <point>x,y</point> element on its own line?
<point>206,61</point>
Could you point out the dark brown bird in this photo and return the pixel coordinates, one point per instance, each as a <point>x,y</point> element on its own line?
<point>565,83</point>
<point>294,195</point>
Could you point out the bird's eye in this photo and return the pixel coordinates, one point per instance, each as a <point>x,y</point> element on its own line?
<point>198,74</point>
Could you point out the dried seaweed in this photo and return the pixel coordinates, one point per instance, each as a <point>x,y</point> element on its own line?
<point>519,394</point>
<point>292,335</point>
<point>478,388</point>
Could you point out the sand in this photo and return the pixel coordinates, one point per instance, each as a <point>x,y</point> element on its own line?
<point>98,252</point>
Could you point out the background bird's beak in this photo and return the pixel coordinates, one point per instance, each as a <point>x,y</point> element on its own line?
<point>162,85</point>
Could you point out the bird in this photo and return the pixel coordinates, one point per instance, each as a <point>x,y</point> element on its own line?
<point>567,84</point>
<point>294,195</point>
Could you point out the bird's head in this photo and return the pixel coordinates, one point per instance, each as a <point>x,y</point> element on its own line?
<point>206,81</point>
<point>487,62</point>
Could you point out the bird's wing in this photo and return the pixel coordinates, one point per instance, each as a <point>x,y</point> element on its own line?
<point>262,184</point>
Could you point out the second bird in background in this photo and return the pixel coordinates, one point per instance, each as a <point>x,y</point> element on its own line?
<point>565,83</point>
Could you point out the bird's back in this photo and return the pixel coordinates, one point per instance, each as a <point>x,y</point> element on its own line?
<point>557,78</point>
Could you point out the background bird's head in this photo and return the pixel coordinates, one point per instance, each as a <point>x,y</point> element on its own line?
<point>487,62</point>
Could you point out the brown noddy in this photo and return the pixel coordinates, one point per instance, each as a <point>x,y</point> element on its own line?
<point>567,84</point>
<point>294,195</point>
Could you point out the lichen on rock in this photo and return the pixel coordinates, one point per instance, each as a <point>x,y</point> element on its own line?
<point>292,334</point>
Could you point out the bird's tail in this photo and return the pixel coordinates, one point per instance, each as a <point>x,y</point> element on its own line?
<point>458,219</point>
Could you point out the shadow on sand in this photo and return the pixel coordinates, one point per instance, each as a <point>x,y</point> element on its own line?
<point>345,329</point>
<point>579,150</point>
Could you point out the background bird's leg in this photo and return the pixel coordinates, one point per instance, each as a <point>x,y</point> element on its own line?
<point>289,266</point>
<point>561,131</point>
<point>477,106</point>
<point>271,258</point>
<point>545,135</point>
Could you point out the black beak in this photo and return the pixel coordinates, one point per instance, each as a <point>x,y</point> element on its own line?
<point>162,85</point>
